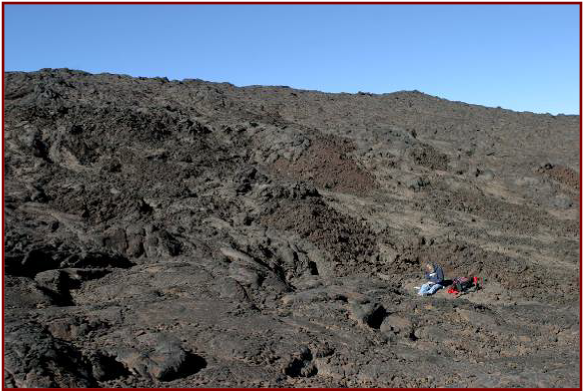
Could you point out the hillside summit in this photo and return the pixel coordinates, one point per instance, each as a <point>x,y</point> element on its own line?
<point>194,234</point>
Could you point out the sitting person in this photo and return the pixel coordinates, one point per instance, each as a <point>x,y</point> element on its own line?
<point>435,277</point>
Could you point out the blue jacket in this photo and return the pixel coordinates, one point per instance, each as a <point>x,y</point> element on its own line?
<point>437,276</point>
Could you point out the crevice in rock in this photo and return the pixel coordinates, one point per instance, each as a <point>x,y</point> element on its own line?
<point>376,318</point>
<point>108,368</point>
<point>412,336</point>
<point>193,364</point>
<point>301,366</point>
<point>313,268</point>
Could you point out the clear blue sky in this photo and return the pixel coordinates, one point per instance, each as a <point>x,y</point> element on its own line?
<point>523,57</point>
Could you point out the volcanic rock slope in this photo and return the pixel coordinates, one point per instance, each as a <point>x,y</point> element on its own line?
<point>195,234</point>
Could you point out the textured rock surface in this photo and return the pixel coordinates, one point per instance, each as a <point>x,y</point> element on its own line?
<point>192,234</point>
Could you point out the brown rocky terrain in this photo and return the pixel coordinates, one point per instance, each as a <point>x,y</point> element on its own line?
<point>194,234</point>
